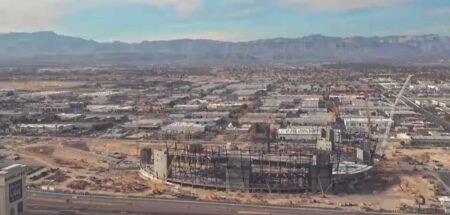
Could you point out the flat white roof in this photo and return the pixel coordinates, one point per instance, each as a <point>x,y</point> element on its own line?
<point>300,130</point>
<point>351,168</point>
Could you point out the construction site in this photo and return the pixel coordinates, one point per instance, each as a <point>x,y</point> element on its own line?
<point>264,138</point>
<point>270,168</point>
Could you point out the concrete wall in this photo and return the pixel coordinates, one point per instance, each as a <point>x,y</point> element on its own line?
<point>324,145</point>
<point>161,164</point>
<point>13,177</point>
<point>320,173</point>
<point>362,155</point>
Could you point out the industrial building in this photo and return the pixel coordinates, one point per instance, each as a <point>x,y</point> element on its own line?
<point>431,140</point>
<point>308,133</point>
<point>299,133</point>
<point>361,124</point>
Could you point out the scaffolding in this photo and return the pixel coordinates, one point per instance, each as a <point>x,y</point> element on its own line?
<point>282,168</point>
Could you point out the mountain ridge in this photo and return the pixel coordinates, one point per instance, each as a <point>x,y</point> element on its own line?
<point>48,45</point>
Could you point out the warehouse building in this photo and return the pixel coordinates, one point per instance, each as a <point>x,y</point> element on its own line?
<point>361,124</point>
<point>299,133</point>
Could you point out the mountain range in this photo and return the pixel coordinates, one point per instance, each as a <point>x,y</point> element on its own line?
<point>51,48</point>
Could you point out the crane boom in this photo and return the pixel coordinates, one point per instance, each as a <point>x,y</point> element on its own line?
<point>380,148</point>
<point>369,119</point>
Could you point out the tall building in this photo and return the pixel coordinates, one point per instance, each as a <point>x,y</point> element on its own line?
<point>12,189</point>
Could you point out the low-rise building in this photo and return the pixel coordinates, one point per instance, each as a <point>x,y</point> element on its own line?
<point>361,124</point>
<point>269,118</point>
<point>43,128</point>
<point>313,119</point>
<point>243,129</point>
<point>182,127</point>
<point>188,107</point>
<point>224,106</point>
<point>299,133</point>
<point>207,115</point>
<point>108,108</point>
<point>208,122</point>
<point>445,201</point>
<point>436,140</point>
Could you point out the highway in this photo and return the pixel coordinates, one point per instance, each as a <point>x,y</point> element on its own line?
<point>46,203</point>
<point>430,116</point>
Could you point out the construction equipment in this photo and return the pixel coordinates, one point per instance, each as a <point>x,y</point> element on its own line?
<point>380,148</point>
<point>335,110</point>
<point>372,143</point>
<point>136,106</point>
<point>336,113</point>
<point>323,192</point>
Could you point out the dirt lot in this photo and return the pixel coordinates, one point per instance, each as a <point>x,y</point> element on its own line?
<point>401,178</point>
<point>396,183</point>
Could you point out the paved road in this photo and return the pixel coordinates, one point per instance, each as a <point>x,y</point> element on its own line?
<point>41,203</point>
<point>430,116</point>
<point>442,177</point>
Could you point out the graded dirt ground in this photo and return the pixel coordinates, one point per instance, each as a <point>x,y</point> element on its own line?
<point>397,181</point>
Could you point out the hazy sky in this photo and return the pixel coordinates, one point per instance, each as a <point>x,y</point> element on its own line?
<point>231,20</point>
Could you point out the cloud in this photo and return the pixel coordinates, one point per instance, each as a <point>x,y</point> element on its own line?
<point>184,8</point>
<point>341,5</point>
<point>237,14</point>
<point>31,15</point>
<point>38,15</point>
<point>445,11</point>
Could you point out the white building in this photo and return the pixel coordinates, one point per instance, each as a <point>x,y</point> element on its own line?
<point>361,124</point>
<point>12,189</point>
<point>445,201</point>
<point>245,128</point>
<point>188,107</point>
<point>224,106</point>
<point>108,108</point>
<point>181,127</point>
<point>209,122</point>
<point>44,127</point>
<point>299,133</point>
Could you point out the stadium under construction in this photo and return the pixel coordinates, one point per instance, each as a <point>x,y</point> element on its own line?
<point>280,167</point>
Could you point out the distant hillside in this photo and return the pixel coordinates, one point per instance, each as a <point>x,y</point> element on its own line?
<point>44,47</point>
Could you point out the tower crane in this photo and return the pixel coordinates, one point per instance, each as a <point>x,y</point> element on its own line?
<point>136,106</point>
<point>336,113</point>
